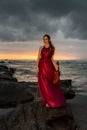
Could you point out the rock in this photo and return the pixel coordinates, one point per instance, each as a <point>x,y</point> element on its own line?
<point>2,124</point>
<point>3,68</point>
<point>69,94</point>
<point>67,88</point>
<point>7,73</point>
<point>35,116</point>
<point>5,76</point>
<point>12,71</point>
<point>67,83</point>
<point>27,113</point>
<point>54,118</point>
<point>11,93</point>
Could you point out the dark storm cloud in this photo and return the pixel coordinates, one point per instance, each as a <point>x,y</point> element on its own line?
<point>30,19</point>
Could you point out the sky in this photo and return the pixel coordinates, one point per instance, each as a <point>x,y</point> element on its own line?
<point>24,22</point>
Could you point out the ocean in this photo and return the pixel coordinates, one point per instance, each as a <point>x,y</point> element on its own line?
<point>76,70</point>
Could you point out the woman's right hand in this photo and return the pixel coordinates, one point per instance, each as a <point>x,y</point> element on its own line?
<point>37,69</point>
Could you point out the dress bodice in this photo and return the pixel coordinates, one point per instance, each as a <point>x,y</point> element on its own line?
<point>45,62</point>
<point>46,53</point>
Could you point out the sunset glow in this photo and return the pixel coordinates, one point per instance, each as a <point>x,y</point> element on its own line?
<point>17,56</point>
<point>31,57</point>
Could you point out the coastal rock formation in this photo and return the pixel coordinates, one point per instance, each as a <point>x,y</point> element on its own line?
<point>34,116</point>
<point>7,73</point>
<point>19,109</point>
<point>11,93</point>
<point>66,86</point>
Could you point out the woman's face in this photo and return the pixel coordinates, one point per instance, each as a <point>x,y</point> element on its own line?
<point>46,40</point>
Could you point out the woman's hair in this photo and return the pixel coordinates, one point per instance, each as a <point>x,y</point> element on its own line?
<point>51,45</point>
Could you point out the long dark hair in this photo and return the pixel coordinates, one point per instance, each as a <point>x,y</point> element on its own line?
<point>51,45</point>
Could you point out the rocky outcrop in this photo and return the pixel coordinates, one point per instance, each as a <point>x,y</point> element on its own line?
<point>19,109</point>
<point>7,73</point>
<point>12,92</point>
<point>34,116</point>
<point>66,86</point>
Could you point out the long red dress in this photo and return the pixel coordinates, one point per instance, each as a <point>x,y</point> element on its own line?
<point>50,93</point>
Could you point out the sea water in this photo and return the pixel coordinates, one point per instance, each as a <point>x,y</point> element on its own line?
<point>76,70</point>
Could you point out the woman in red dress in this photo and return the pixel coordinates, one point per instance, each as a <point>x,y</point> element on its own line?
<point>51,95</point>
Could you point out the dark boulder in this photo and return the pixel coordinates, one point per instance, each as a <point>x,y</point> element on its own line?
<point>23,111</point>
<point>65,84</point>
<point>7,73</point>
<point>35,116</point>
<point>12,93</point>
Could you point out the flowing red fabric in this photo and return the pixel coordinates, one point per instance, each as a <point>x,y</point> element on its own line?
<point>49,92</point>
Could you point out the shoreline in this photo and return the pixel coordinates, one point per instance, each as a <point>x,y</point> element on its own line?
<point>79,109</point>
<point>77,103</point>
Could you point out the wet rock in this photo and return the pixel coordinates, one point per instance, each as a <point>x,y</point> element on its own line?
<point>7,73</point>
<point>12,71</point>
<point>35,116</point>
<point>66,86</point>
<point>11,93</point>
<point>3,68</point>
<point>5,76</point>
<point>23,112</point>
<point>69,94</point>
<point>67,83</point>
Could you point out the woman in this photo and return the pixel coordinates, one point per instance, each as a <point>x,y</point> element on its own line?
<point>51,95</point>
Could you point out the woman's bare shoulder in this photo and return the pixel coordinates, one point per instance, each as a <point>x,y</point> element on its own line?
<point>41,47</point>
